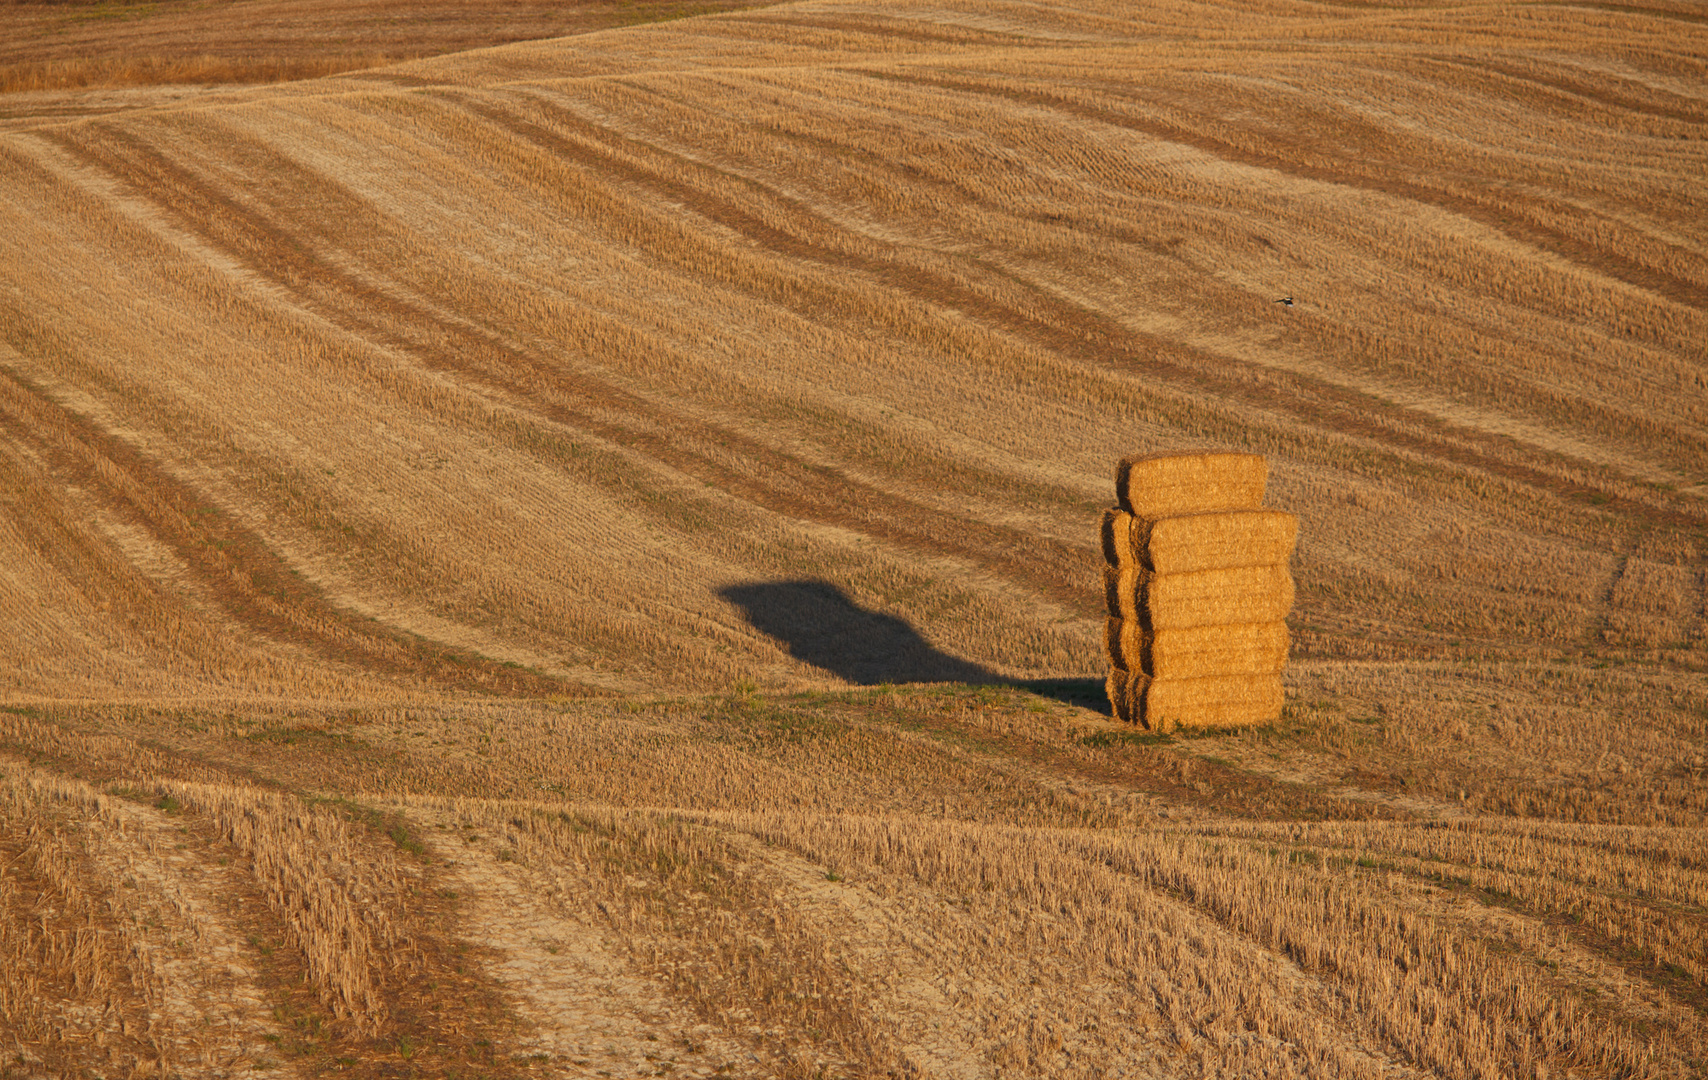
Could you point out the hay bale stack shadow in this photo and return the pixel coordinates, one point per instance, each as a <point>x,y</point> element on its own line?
<point>818,624</point>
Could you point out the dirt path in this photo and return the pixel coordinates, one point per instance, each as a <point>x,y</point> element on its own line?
<point>592,1014</point>
<point>213,1018</point>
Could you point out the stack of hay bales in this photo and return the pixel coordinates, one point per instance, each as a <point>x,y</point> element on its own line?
<point>1198,588</point>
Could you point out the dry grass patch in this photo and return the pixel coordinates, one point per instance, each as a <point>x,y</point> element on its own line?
<point>105,43</point>
<point>109,71</point>
<point>958,879</point>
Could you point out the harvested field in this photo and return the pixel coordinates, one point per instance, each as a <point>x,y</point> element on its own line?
<point>70,44</point>
<point>581,556</point>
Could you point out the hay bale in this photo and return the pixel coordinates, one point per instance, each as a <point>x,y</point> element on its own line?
<point>1239,595</point>
<point>1163,485</point>
<point>1215,701</point>
<point>1216,540</point>
<point>1203,651</point>
<point>1196,584</point>
<point>1124,643</point>
<point>1197,652</point>
<point>1226,597</point>
<point>1125,695</point>
<point>1121,591</point>
<point>1120,545</point>
<point>1221,540</point>
<point>1125,537</point>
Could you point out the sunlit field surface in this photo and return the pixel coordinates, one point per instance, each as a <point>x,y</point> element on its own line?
<point>580,557</point>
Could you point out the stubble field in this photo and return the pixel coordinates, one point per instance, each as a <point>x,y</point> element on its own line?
<point>579,557</point>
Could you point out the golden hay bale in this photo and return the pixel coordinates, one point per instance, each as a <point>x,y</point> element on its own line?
<point>1123,643</point>
<point>1125,694</point>
<point>1163,485</point>
<point>1215,701</point>
<point>1226,597</point>
<point>1197,586</point>
<point>1211,702</point>
<point>1242,594</point>
<point>1197,652</point>
<point>1216,540</point>
<point>1121,591</point>
<point>1203,651</point>
<point>1220,540</point>
<point>1120,545</point>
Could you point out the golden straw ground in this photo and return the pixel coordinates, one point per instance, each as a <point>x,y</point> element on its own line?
<point>381,455</point>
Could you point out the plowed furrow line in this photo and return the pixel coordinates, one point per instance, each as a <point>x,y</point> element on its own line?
<point>782,483</point>
<point>1328,406</point>
<point>1616,102</point>
<point>250,582</point>
<point>55,534</point>
<point>770,478</point>
<point>1677,14</point>
<point>1063,328</point>
<point>65,982</point>
<point>1379,174</point>
<point>874,25</point>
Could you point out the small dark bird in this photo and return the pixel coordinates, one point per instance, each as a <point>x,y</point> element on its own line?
<point>1288,300</point>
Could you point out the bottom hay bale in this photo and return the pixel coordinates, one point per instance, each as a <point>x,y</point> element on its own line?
<point>1125,701</point>
<point>1217,701</point>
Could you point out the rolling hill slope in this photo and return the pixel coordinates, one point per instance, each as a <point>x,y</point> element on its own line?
<point>530,352</point>
<point>569,427</point>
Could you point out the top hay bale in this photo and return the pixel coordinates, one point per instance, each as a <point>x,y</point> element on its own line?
<point>1164,485</point>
